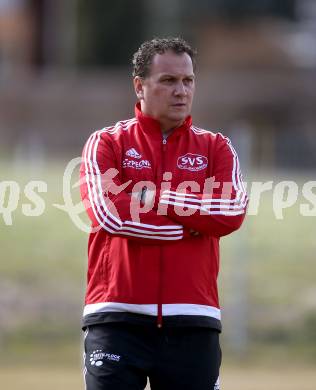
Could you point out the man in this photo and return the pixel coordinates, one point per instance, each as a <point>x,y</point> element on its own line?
<point>160,193</point>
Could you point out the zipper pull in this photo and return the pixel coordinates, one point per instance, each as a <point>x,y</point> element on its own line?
<point>164,145</point>
<point>159,318</point>
<point>143,194</point>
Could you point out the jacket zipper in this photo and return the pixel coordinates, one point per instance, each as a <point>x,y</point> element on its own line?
<point>159,309</point>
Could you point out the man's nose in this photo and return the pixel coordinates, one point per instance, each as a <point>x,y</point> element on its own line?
<point>180,89</point>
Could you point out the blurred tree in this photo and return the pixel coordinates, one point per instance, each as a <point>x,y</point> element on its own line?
<point>245,8</point>
<point>237,10</point>
<point>109,32</point>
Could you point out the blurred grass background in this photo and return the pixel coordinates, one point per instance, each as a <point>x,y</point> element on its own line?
<point>42,282</point>
<point>64,72</point>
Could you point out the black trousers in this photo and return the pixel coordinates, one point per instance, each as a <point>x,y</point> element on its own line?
<point>121,356</point>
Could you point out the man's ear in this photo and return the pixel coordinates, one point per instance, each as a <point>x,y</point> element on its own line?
<point>138,86</point>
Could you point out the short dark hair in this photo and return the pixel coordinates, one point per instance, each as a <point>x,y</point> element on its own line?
<point>142,59</point>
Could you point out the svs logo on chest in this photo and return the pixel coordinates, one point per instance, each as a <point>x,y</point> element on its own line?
<point>192,162</point>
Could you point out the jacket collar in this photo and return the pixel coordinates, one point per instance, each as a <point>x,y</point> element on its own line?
<point>151,125</point>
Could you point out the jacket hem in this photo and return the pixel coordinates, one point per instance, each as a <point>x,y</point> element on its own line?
<point>148,320</point>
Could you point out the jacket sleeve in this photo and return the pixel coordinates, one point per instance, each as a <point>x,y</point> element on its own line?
<point>110,207</point>
<point>221,208</point>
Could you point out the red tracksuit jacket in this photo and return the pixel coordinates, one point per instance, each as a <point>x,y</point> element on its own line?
<point>157,261</point>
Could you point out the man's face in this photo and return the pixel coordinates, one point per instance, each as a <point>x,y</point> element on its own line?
<point>166,94</point>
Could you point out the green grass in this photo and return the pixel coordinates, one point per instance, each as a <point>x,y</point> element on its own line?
<point>275,261</point>
<point>232,378</point>
<point>43,265</point>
